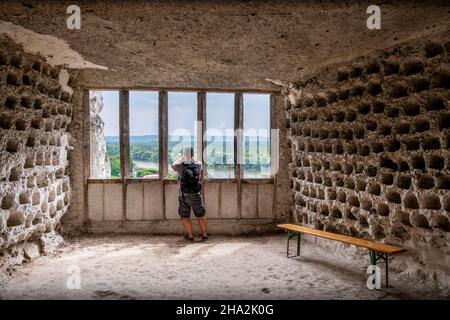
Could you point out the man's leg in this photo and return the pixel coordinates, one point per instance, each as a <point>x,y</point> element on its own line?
<point>188,227</point>
<point>202,223</point>
<point>184,210</point>
<point>199,211</point>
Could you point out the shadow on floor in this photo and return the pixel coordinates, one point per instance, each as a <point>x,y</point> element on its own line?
<point>345,272</point>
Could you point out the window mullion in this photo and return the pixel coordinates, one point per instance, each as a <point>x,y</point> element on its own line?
<point>238,137</point>
<point>274,138</point>
<point>124,134</point>
<point>238,151</point>
<point>163,133</point>
<point>201,118</point>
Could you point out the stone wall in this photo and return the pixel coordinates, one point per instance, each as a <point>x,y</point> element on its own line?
<point>35,112</point>
<point>370,146</point>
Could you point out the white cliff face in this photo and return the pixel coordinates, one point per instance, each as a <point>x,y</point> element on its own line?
<point>100,165</point>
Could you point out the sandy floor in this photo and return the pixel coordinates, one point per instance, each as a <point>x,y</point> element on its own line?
<point>139,267</point>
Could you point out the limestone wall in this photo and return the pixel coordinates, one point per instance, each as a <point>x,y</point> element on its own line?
<point>370,146</point>
<point>35,112</point>
<point>100,165</point>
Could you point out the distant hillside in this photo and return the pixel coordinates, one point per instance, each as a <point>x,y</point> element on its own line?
<point>133,139</point>
<point>154,138</point>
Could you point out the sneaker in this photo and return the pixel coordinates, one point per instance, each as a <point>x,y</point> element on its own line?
<point>186,237</point>
<point>204,237</point>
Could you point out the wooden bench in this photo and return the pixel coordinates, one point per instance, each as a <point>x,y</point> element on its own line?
<point>376,250</point>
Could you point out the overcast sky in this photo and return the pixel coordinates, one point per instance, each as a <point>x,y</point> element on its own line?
<point>182,113</point>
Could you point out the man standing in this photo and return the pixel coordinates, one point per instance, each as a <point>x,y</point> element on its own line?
<point>189,196</point>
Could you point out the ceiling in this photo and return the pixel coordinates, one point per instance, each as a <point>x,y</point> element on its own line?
<point>222,44</point>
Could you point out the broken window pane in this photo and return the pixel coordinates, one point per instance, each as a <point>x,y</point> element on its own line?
<point>256,144</point>
<point>144,141</point>
<point>219,155</point>
<point>182,131</point>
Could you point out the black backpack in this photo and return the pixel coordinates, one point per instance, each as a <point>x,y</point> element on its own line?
<point>190,178</point>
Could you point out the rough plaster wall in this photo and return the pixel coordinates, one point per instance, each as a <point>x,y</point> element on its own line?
<point>34,186</point>
<point>227,43</point>
<point>370,152</point>
<point>73,221</point>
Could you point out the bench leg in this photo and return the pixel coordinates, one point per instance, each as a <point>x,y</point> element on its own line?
<point>386,262</point>
<point>288,238</point>
<point>291,235</point>
<point>374,257</point>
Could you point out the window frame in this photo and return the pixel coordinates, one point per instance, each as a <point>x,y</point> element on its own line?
<point>124,124</point>
<point>88,137</point>
<point>159,135</point>
<point>242,139</point>
<point>199,109</point>
<point>205,125</point>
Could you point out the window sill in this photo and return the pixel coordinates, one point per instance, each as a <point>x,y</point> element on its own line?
<point>175,181</point>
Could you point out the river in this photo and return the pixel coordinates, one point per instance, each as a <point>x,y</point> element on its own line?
<point>215,173</point>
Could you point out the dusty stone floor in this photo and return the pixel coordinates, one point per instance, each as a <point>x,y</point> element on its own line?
<point>144,267</point>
